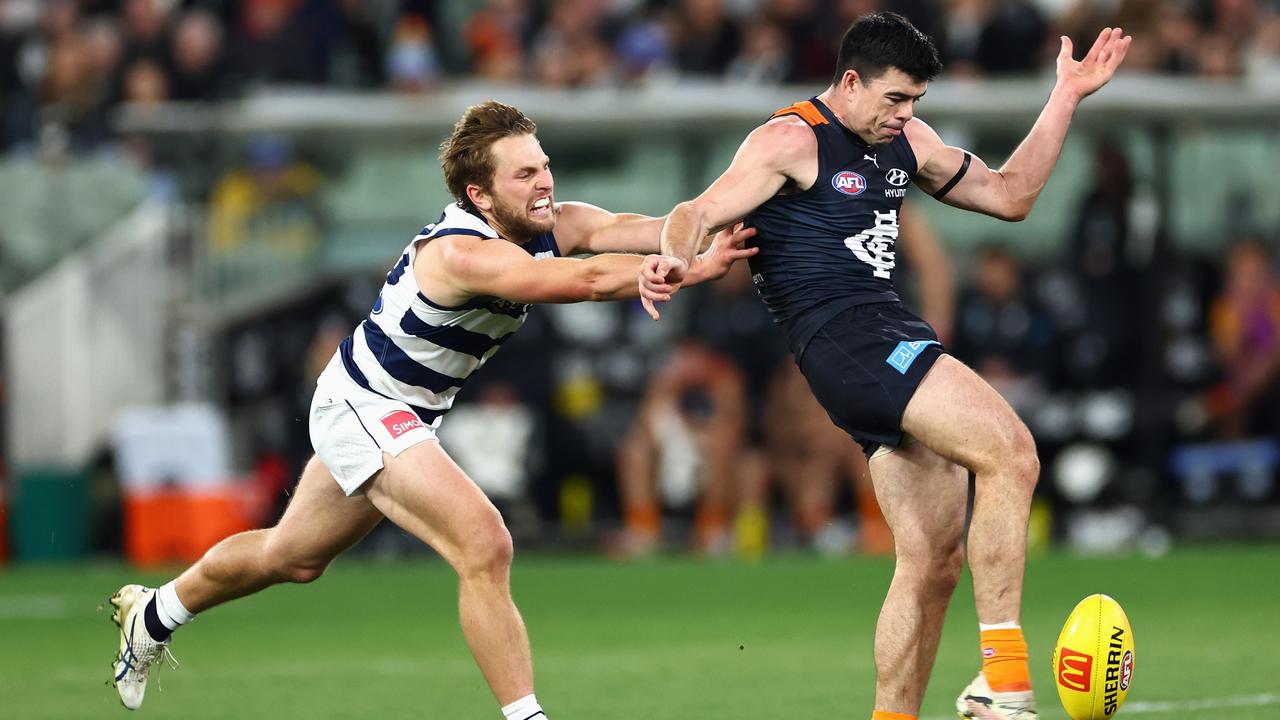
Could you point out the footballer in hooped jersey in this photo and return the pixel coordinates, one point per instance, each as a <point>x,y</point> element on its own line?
<point>459,289</point>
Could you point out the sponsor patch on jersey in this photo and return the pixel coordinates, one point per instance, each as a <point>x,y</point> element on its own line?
<point>400,422</point>
<point>897,177</point>
<point>905,354</point>
<point>849,182</point>
<point>377,305</point>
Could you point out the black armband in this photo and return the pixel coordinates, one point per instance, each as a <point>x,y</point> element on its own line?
<point>964,168</point>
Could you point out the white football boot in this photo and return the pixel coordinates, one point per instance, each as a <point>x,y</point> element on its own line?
<point>980,702</point>
<point>138,651</point>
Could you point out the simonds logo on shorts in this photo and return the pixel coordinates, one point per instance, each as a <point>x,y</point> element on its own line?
<point>400,422</point>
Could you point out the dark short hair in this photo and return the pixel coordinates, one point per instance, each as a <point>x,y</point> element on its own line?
<point>466,157</point>
<point>882,40</point>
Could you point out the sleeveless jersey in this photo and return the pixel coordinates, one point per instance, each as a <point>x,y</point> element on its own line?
<point>831,247</point>
<point>419,352</point>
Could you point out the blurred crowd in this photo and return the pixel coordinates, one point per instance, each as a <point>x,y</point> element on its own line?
<point>699,431</point>
<point>66,63</point>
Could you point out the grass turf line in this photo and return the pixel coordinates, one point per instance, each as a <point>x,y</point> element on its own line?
<point>656,640</point>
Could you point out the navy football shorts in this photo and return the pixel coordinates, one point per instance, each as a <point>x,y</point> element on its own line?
<point>864,365</point>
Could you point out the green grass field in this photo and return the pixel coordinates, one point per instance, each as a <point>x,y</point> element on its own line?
<point>670,638</point>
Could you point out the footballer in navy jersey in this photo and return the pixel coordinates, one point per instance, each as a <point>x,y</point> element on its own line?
<point>822,183</point>
<point>831,246</point>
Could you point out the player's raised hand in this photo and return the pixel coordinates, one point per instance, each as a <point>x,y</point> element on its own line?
<point>1085,76</point>
<point>728,247</point>
<point>660,277</point>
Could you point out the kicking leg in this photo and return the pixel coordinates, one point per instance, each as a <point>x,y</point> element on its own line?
<point>923,497</point>
<point>960,417</point>
<point>424,492</point>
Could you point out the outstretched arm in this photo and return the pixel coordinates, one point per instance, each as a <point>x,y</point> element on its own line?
<point>585,228</point>
<point>762,165</point>
<point>462,267</point>
<point>770,156</point>
<point>957,178</point>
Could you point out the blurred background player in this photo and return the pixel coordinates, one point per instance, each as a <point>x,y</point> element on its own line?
<point>1001,332</point>
<point>810,460</point>
<point>1245,324</point>
<point>687,445</point>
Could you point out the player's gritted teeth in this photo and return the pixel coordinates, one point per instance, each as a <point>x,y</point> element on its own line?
<point>541,208</point>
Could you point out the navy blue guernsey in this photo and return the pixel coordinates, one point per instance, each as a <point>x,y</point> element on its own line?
<point>542,244</point>
<point>831,247</point>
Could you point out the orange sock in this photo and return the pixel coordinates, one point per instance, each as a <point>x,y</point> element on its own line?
<point>1004,660</point>
<point>883,715</point>
<point>643,518</point>
<point>709,524</point>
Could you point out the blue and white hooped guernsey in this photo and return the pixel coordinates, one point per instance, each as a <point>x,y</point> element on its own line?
<point>420,353</point>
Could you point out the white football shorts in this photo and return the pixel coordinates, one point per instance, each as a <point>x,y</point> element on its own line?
<point>351,427</point>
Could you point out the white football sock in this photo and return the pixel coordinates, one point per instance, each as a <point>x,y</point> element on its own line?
<point>1011,625</point>
<point>526,708</point>
<point>169,608</point>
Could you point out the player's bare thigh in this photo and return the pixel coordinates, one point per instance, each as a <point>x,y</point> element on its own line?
<point>962,418</point>
<point>923,496</point>
<point>424,492</point>
<point>321,521</point>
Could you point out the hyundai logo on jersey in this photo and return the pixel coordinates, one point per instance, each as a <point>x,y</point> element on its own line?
<point>849,183</point>
<point>897,177</point>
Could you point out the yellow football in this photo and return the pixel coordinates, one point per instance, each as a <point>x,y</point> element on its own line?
<point>1093,660</point>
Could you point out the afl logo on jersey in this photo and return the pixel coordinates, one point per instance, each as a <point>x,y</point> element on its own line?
<point>849,183</point>
<point>897,177</point>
